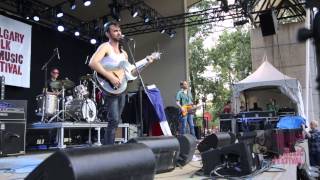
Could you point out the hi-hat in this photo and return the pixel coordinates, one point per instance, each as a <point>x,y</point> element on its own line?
<point>58,84</point>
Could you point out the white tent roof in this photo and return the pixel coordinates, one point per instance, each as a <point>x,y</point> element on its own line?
<point>266,72</point>
<point>268,75</point>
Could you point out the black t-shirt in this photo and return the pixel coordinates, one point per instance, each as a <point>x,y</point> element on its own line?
<point>50,88</point>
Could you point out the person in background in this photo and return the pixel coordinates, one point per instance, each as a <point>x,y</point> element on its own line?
<point>272,105</point>
<point>313,137</point>
<point>227,108</point>
<point>256,107</point>
<point>242,109</point>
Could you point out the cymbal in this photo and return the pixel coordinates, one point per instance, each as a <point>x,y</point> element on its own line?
<point>86,77</point>
<point>58,84</point>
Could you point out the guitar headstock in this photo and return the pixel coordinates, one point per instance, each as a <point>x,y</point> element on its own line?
<point>154,56</point>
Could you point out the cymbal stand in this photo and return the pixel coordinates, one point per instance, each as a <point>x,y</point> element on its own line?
<point>63,111</point>
<point>63,103</point>
<point>45,69</point>
<point>94,87</point>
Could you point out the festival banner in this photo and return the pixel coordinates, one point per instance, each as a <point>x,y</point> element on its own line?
<point>15,52</point>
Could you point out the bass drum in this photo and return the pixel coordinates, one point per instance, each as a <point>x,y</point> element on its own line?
<point>84,109</point>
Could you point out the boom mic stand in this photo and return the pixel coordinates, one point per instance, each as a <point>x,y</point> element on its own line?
<point>204,120</point>
<point>141,86</point>
<point>45,69</point>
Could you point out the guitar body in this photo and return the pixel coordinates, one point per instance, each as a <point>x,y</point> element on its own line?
<point>107,86</point>
<point>186,110</point>
<point>124,73</point>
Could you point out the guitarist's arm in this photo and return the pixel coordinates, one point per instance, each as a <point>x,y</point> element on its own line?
<point>96,65</point>
<point>141,66</point>
<point>179,105</point>
<point>178,102</point>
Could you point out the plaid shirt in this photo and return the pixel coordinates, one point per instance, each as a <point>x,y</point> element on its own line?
<point>314,142</point>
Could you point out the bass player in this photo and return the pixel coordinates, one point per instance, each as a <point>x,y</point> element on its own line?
<point>184,102</point>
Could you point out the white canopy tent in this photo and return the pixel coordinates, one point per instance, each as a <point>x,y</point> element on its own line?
<point>265,76</point>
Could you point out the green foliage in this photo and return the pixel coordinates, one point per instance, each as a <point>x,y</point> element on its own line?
<point>200,31</point>
<point>229,59</point>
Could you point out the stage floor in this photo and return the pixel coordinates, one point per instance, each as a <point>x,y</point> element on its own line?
<point>18,167</point>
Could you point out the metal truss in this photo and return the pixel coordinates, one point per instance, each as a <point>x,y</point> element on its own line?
<point>242,11</point>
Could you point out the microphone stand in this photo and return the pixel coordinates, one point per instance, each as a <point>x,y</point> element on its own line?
<point>141,86</point>
<point>204,121</point>
<point>45,69</point>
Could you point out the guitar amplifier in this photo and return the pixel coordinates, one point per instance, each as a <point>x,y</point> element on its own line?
<point>12,127</point>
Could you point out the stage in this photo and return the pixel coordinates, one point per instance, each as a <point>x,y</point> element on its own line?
<point>18,167</point>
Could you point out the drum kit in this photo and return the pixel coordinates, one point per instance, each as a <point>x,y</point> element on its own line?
<point>57,106</point>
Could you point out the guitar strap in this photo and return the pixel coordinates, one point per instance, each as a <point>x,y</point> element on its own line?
<point>181,98</point>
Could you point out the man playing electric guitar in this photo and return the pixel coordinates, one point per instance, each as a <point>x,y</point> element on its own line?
<point>184,102</point>
<point>110,54</point>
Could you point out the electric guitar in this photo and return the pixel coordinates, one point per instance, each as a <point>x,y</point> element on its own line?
<point>124,74</point>
<point>189,109</point>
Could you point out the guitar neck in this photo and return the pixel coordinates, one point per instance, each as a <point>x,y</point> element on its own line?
<point>140,65</point>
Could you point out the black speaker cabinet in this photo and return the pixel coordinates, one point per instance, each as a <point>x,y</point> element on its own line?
<point>125,162</point>
<point>268,22</point>
<point>165,148</point>
<point>197,131</point>
<point>12,127</point>
<point>225,125</point>
<point>188,144</point>
<point>12,138</point>
<point>238,156</point>
<point>216,140</point>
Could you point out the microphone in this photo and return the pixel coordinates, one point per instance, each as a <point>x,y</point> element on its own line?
<point>123,37</point>
<point>58,54</point>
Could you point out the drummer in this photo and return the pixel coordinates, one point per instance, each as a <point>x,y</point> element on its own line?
<point>54,76</point>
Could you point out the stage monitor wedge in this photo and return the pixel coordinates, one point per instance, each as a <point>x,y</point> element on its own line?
<point>188,145</point>
<point>216,140</point>
<point>165,148</point>
<point>238,157</point>
<point>125,162</point>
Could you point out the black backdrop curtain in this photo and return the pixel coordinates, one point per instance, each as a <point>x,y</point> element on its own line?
<point>73,53</point>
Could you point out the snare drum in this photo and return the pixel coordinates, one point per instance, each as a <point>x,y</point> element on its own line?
<point>51,107</point>
<point>84,109</point>
<point>80,92</point>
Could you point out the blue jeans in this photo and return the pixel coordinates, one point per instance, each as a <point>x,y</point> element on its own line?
<point>183,123</point>
<point>314,159</point>
<point>112,110</point>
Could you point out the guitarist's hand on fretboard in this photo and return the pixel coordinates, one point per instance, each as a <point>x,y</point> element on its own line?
<point>150,59</point>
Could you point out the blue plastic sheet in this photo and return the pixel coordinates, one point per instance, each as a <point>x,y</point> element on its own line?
<point>291,122</point>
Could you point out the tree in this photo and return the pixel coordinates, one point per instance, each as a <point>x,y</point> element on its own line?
<point>229,61</point>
